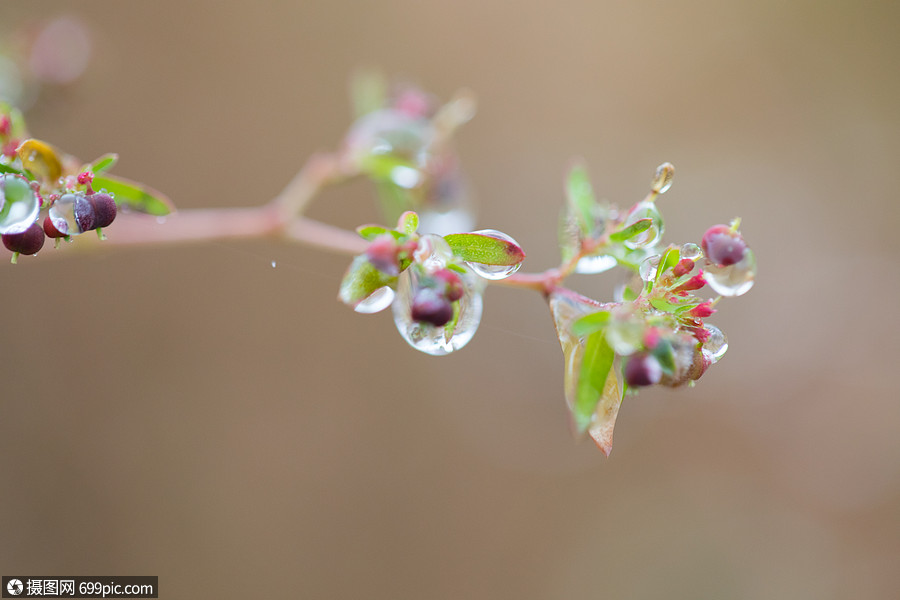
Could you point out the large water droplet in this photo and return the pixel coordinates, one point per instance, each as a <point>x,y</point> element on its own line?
<point>391,132</point>
<point>647,268</point>
<point>62,214</point>
<point>19,205</point>
<point>717,344</point>
<point>494,272</point>
<point>645,210</point>
<point>428,338</point>
<point>599,263</point>
<point>691,251</point>
<point>733,280</point>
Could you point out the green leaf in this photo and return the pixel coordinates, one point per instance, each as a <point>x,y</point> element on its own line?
<point>596,365</point>
<point>590,323</point>
<point>134,195</point>
<point>632,230</point>
<point>370,232</point>
<point>484,249</point>
<point>580,196</point>
<point>669,259</point>
<point>9,169</point>
<point>408,223</point>
<point>360,280</point>
<point>629,295</point>
<point>450,326</point>
<point>103,163</point>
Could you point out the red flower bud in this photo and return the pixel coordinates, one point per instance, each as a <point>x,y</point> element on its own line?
<point>723,246</point>
<point>684,266</point>
<point>454,285</point>
<point>382,253</point>
<point>28,242</point>
<point>429,306</point>
<point>694,283</point>
<point>642,369</point>
<point>703,310</point>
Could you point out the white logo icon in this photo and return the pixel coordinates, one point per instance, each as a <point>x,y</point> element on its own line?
<point>14,587</point>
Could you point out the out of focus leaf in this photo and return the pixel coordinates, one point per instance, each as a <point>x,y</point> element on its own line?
<point>360,280</point>
<point>408,223</point>
<point>484,249</point>
<point>370,232</point>
<point>368,90</point>
<point>590,323</point>
<point>105,162</point>
<point>8,169</point>
<point>580,196</point>
<point>134,195</point>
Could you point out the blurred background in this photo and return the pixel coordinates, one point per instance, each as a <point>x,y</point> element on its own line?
<point>195,414</point>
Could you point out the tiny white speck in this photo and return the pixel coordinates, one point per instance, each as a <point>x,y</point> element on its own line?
<point>273,264</point>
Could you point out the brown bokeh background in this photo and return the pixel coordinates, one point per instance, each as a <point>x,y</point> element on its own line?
<point>195,414</point>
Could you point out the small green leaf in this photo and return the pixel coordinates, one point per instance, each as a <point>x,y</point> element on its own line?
<point>632,230</point>
<point>629,295</point>
<point>590,323</point>
<point>105,162</point>
<point>664,305</point>
<point>669,259</point>
<point>9,169</point>
<point>580,196</point>
<point>484,249</point>
<point>370,232</point>
<point>408,223</point>
<point>360,280</point>
<point>450,327</point>
<point>596,365</point>
<point>134,195</point>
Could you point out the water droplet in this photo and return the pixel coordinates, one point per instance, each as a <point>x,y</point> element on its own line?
<point>494,272</point>
<point>428,338</point>
<point>733,280</point>
<point>274,264</point>
<point>645,210</point>
<point>393,133</point>
<point>662,180</point>
<point>406,177</point>
<point>691,251</point>
<point>19,205</point>
<point>589,265</point>
<point>717,344</point>
<point>161,220</point>
<point>375,302</point>
<point>62,214</point>
<point>433,252</point>
<point>648,267</point>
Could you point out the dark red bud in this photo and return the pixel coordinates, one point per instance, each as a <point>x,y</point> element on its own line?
<point>104,209</point>
<point>29,241</point>
<point>431,307</point>
<point>84,213</point>
<point>51,230</point>
<point>642,369</point>
<point>722,246</point>
<point>454,285</point>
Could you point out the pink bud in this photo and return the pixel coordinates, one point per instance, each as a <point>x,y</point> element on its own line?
<point>382,253</point>
<point>684,266</point>
<point>454,286</point>
<point>5,125</point>
<point>694,283</point>
<point>703,310</point>
<point>651,338</point>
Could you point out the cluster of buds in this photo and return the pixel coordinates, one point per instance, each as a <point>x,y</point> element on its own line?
<point>36,179</point>
<point>433,283</point>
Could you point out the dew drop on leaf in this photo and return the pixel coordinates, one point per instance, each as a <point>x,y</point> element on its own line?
<point>19,205</point>
<point>494,272</point>
<point>375,302</point>
<point>644,210</point>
